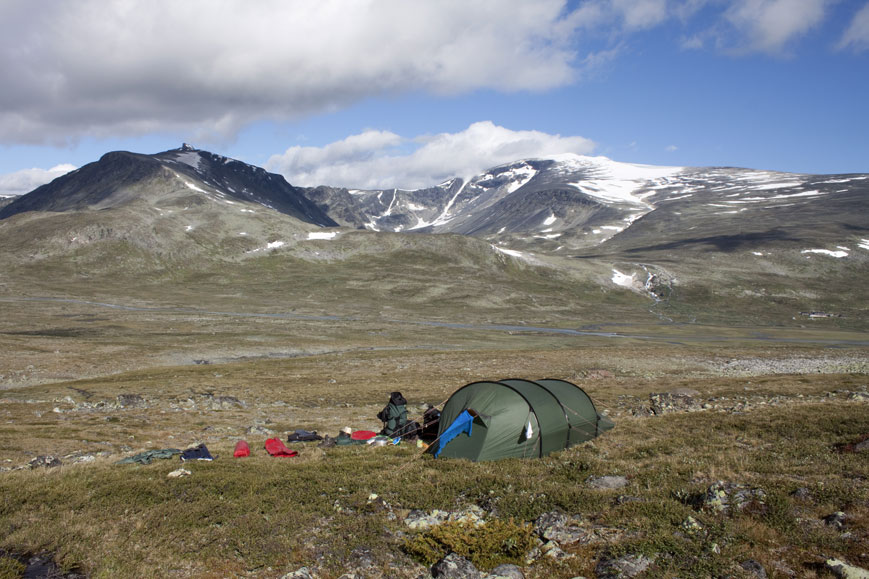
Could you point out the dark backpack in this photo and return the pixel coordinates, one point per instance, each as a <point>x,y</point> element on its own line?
<point>394,415</point>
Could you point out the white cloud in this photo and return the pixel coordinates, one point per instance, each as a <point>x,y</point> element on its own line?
<point>770,25</point>
<point>641,14</point>
<point>672,148</point>
<point>856,37</point>
<point>99,68</point>
<point>26,180</point>
<point>374,160</point>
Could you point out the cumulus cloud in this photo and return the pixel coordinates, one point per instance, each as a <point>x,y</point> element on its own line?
<point>770,25</point>
<point>26,180</point>
<point>641,14</point>
<point>856,37</point>
<point>99,68</point>
<point>379,160</point>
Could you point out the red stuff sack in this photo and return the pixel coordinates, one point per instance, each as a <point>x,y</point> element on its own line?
<point>241,449</point>
<point>275,447</point>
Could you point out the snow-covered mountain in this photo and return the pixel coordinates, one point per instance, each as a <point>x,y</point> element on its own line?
<point>569,202</point>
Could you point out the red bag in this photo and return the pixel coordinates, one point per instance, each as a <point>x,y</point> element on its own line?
<point>363,434</point>
<point>275,447</point>
<point>241,449</point>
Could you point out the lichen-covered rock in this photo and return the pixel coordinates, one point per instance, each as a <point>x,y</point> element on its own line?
<point>506,571</point>
<point>691,526</point>
<point>559,527</point>
<point>843,570</point>
<point>623,567</point>
<point>45,461</point>
<point>553,551</point>
<point>419,520</point>
<point>455,567</point>
<point>836,520</point>
<point>131,401</point>
<point>755,568</point>
<point>727,498</point>
<point>682,400</point>
<point>302,573</point>
<point>607,482</point>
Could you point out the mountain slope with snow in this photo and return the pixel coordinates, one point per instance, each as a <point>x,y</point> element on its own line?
<point>569,204</point>
<point>179,176</point>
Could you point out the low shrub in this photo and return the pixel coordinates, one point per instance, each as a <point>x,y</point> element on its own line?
<point>486,546</point>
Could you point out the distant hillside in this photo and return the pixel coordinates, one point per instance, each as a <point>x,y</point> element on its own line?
<point>567,238</point>
<point>169,178</point>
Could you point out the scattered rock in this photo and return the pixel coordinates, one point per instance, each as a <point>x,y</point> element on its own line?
<point>623,567</point>
<point>845,571</point>
<point>691,526</point>
<point>754,568</point>
<point>802,493</point>
<point>607,482</point>
<point>455,567</point>
<point>224,403</point>
<point>728,497</point>
<point>553,551</point>
<point>559,527</point>
<point>836,520</point>
<point>677,401</point>
<point>303,573</point>
<point>506,571</point>
<point>419,520</point>
<point>45,461</point>
<point>258,430</point>
<point>131,401</point>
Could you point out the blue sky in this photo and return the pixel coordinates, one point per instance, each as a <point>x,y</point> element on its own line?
<point>398,93</point>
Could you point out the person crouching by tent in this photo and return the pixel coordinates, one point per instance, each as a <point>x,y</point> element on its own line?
<point>394,418</point>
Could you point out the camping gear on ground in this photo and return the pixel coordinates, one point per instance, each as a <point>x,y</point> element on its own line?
<point>430,420</point>
<point>363,435</point>
<point>347,430</point>
<point>410,431</point>
<point>303,436</point>
<point>275,447</point>
<point>241,449</point>
<point>394,415</point>
<point>491,420</point>
<point>345,437</point>
<point>328,442</point>
<point>149,455</point>
<point>198,452</point>
<point>382,440</point>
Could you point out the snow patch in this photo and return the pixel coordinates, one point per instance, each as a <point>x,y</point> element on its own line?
<point>190,158</point>
<point>623,279</point>
<point>550,220</point>
<point>322,235</point>
<point>194,187</point>
<point>510,252</point>
<point>188,228</point>
<point>864,244</point>
<point>837,254</point>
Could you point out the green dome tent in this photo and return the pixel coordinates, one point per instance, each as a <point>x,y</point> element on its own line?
<point>516,418</point>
